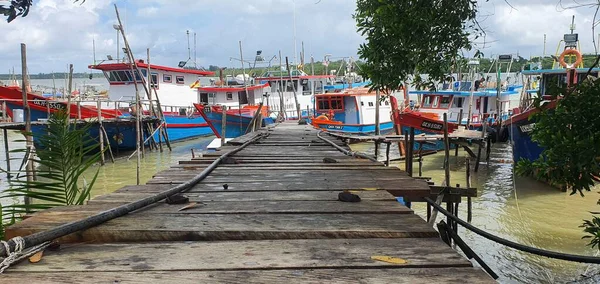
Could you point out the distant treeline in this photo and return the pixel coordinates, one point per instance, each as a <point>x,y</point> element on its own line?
<point>57,76</point>
<point>319,68</point>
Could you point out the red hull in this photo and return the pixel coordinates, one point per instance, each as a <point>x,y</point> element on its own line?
<point>12,95</point>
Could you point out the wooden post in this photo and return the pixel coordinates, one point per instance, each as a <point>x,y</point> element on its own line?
<point>387,154</point>
<point>79,110</point>
<point>4,117</point>
<point>223,125</point>
<point>488,148</point>
<point>47,109</point>
<point>287,64</point>
<point>460,116</point>
<point>100,132</point>
<point>406,166</point>
<point>446,151</point>
<point>137,95</point>
<point>6,153</point>
<point>377,149</point>
<point>377,122</point>
<point>469,201</point>
<point>69,90</point>
<point>27,112</point>
<point>420,159</point>
<point>410,151</point>
<point>479,150</point>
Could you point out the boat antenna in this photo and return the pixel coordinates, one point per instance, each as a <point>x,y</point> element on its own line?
<point>572,24</point>
<point>195,65</point>
<point>188,41</point>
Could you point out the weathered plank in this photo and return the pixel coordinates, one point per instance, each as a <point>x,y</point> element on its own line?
<point>270,254</point>
<point>211,227</point>
<point>224,196</point>
<point>302,276</point>
<point>245,207</point>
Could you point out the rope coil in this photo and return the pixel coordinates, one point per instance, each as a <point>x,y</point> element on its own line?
<point>18,253</point>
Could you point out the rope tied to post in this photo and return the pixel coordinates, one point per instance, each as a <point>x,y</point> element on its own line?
<point>18,253</point>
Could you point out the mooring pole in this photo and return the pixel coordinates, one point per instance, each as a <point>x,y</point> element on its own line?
<point>27,112</point>
<point>223,124</point>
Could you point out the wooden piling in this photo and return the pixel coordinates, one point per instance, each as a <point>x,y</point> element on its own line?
<point>446,151</point>
<point>100,132</point>
<point>79,110</point>
<point>27,113</point>
<point>479,150</point>
<point>223,124</point>
<point>69,89</point>
<point>4,116</point>
<point>287,65</point>
<point>469,201</point>
<point>410,150</point>
<point>6,153</point>
<point>420,159</point>
<point>387,154</point>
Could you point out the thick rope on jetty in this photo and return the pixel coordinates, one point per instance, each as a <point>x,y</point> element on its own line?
<point>511,244</point>
<point>97,219</point>
<point>18,253</point>
<point>349,153</point>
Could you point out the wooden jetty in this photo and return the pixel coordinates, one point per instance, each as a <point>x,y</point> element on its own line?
<point>268,214</point>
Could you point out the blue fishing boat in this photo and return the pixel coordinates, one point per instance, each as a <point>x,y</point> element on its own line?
<point>240,105</point>
<point>352,111</point>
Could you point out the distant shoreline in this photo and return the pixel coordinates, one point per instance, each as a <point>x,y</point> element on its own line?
<point>56,76</point>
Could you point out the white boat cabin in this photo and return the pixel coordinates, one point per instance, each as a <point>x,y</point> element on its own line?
<point>173,85</point>
<point>353,107</point>
<point>305,86</point>
<point>234,96</point>
<point>452,102</point>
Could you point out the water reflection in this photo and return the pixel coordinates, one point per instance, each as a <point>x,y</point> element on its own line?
<point>519,209</point>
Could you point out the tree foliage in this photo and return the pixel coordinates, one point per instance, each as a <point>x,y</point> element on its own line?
<point>66,151</point>
<point>413,37</point>
<point>570,136</point>
<point>18,8</point>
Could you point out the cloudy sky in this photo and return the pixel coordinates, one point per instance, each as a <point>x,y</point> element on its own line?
<point>58,32</point>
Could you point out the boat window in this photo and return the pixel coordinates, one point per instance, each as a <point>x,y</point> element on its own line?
<point>445,101</point>
<point>370,104</point>
<point>179,80</point>
<point>458,102</point>
<point>362,103</point>
<point>436,101</point>
<point>427,101</point>
<point>290,87</point>
<point>167,78</point>
<point>330,103</point>
<point>137,76</point>
<point>229,96</point>
<point>121,76</point>
<point>145,72</point>
<point>387,103</point>
<point>154,80</point>
<point>319,86</point>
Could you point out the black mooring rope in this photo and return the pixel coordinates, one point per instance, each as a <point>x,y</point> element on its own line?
<point>511,244</point>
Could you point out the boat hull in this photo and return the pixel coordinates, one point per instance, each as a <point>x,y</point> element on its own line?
<point>385,127</point>
<point>236,124</point>
<point>120,135</point>
<point>182,127</point>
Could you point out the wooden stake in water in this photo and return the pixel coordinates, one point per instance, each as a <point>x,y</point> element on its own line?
<point>100,131</point>
<point>70,89</point>
<point>27,112</point>
<point>223,125</point>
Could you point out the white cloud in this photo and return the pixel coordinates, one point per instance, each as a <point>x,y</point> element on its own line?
<point>148,11</point>
<point>59,32</point>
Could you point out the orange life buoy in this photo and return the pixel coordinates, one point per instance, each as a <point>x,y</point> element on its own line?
<point>322,117</point>
<point>571,51</point>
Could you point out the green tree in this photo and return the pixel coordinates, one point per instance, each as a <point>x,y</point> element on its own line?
<point>413,37</point>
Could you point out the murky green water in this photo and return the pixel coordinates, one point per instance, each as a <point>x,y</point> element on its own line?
<point>526,211</point>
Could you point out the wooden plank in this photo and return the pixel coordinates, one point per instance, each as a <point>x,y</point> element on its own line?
<point>301,276</point>
<point>213,227</point>
<point>269,254</point>
<point>224,196</point>
<point>263,207</point>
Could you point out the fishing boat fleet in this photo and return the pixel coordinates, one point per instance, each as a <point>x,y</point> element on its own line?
<point>188,102</point>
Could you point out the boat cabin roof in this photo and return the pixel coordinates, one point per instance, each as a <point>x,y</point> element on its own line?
<point>556,71</point>
<point>140,63</point>
<point>236,88</point>
<point>486,93</point>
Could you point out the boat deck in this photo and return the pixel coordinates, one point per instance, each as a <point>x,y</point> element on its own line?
<point>268,214</point>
